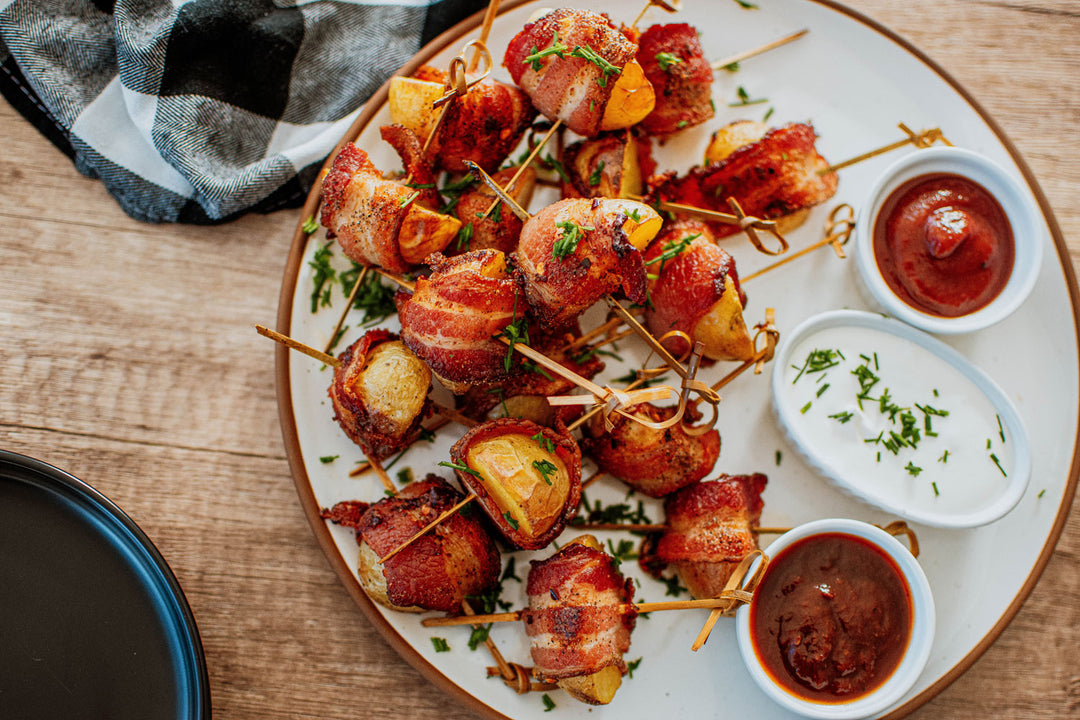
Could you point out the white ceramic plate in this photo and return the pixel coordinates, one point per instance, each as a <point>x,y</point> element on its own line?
<point>979,577</point>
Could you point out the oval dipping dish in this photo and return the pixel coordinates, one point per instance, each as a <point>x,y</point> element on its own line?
<point>900,420</point>
<point>99,621</point>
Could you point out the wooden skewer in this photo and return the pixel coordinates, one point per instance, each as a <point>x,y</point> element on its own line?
<point>297,345</point>
<point>606,327</point>
<point>835,238</point>
<point>485,30</point>
<point>383,476</point>
<point>442,516</point>
<point>657,3</point>
<point>922,139</point>
<point>746,55</point>
<point>657,527</point>
<point>345,310</point>
<point>747,223</point>
<point>642,608</point>
<point>363,467</point>
<point>592,478</point>
<point>528,161</point>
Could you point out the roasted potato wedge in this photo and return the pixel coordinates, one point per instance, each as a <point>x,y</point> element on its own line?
<point>598,688</point>
<point>723,330</point>
<point>393,386</point>
<point>424,232</point>
<point>410,103</point>
<point>632,99</point>
<point>733,136</point>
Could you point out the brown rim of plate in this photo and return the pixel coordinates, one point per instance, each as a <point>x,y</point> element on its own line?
<point>303,483</point>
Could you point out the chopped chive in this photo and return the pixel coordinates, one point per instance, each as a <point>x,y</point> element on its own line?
<point>944,457</point>
<point>326,459</point>
<point>1001,430</point>
<point>934,485</point>
<point>1041,493</point>
<point>805,408</point>
<point>841,417</point>
<point>822,389</point>
<point>998,463</point>
<point>987,443</point>
<point>779,456</point>
<point>549,704</point>
<point>440,644</point>
<point>460,466</point>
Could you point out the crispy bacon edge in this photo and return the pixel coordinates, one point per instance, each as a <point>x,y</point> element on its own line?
<point>565,449</point>
<point>770,178</point>
<point>684,89</point>
<point>580,603</point>
<point>353,415</point>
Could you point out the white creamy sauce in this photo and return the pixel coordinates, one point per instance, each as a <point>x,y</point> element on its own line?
<point>916,478</point>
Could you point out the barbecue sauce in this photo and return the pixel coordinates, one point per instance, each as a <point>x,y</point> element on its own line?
<point>943,244</point>
<point>831,618</point>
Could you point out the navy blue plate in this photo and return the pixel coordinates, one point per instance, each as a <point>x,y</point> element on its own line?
<point>93,623</point>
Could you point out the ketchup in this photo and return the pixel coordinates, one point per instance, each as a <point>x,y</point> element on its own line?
<point>943,244</point>
<point>831,618</point>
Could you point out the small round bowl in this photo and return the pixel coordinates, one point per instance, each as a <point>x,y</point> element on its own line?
<point>911,663</point>
<point>1019,207</point>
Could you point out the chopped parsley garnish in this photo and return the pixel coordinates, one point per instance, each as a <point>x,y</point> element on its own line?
<point>535,57</point>
<point>373,297</point>
<point>613,514</point>
<point>672,250</point>
<point>631,667</point>
<point>309,226</point>
<point>572,234</point>
<point>326,459</point>
<point>479,636</point>
<point>544,442</point>
<point>606,68</point>
<point>746,5</point>
<point>460,466</point>
<point>464,237</point>
<point>674,589</point>
<point>453,192</point>
<point>545,468</point>
<point>440,644</point>
<point>666,60</point>
<point>623,551</point>
<point>516,332</point>
<point>405,476</point>
<point>818,361</point>
<point>549,704</point>
<point>597,174</point>
<point>745,99</point>
<point>913,469</point>
<point>553,164</point>
<point>323,276</point>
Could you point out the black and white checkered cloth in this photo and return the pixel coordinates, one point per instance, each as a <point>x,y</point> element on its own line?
<point>201,110</point>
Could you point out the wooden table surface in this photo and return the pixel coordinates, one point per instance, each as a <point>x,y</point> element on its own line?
<point>129,359</point>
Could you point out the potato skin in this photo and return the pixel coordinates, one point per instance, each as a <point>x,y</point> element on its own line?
<point>565,449</point>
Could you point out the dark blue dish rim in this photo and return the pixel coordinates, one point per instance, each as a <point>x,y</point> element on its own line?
<point>146,561</point>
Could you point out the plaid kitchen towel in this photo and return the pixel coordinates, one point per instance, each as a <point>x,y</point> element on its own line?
<point>201,110</point>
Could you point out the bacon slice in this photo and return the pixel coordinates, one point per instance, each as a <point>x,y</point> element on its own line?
<point>604,261</point>
<point>501,230</point>
<point>484,126</point>
<point>452,316</point>
<point>654,462</point>
<point>364,211</point>
<point>417,166</point>
<point>710,530</point>
<point>682,78</point>
<point>771,178</point>
<point>528,507</point>
<point>380,393</point>
<point>688,287</point>
<point>455,559</point>
<point>579,618</point>
<point>564,87</point>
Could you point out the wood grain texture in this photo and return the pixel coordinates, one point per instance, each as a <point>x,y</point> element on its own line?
<point>129,358</point>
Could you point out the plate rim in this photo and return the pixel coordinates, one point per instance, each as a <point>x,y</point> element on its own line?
<point>303,484</point>
<point>30,470</point>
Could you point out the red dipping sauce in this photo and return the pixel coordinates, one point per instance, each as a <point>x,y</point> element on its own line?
<point>943,244</point>
<point>831,618</point>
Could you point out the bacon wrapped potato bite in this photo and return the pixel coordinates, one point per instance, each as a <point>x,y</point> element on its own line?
<point>578,67</point>
<point>674,63</point>
<point>526,478</point>
<point>579,620</point>
<point>452,316</point>
<point>380,393</point>
<point>453,560</point>
<point>608,165</point>
<point>696,291</point>
<point>653,462</point>
<point>573,252</point>
<point>378,221</point>
<point>710,529</point>
<point>500,230</point>
<point>484,126</point>
<point>773,177</point>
